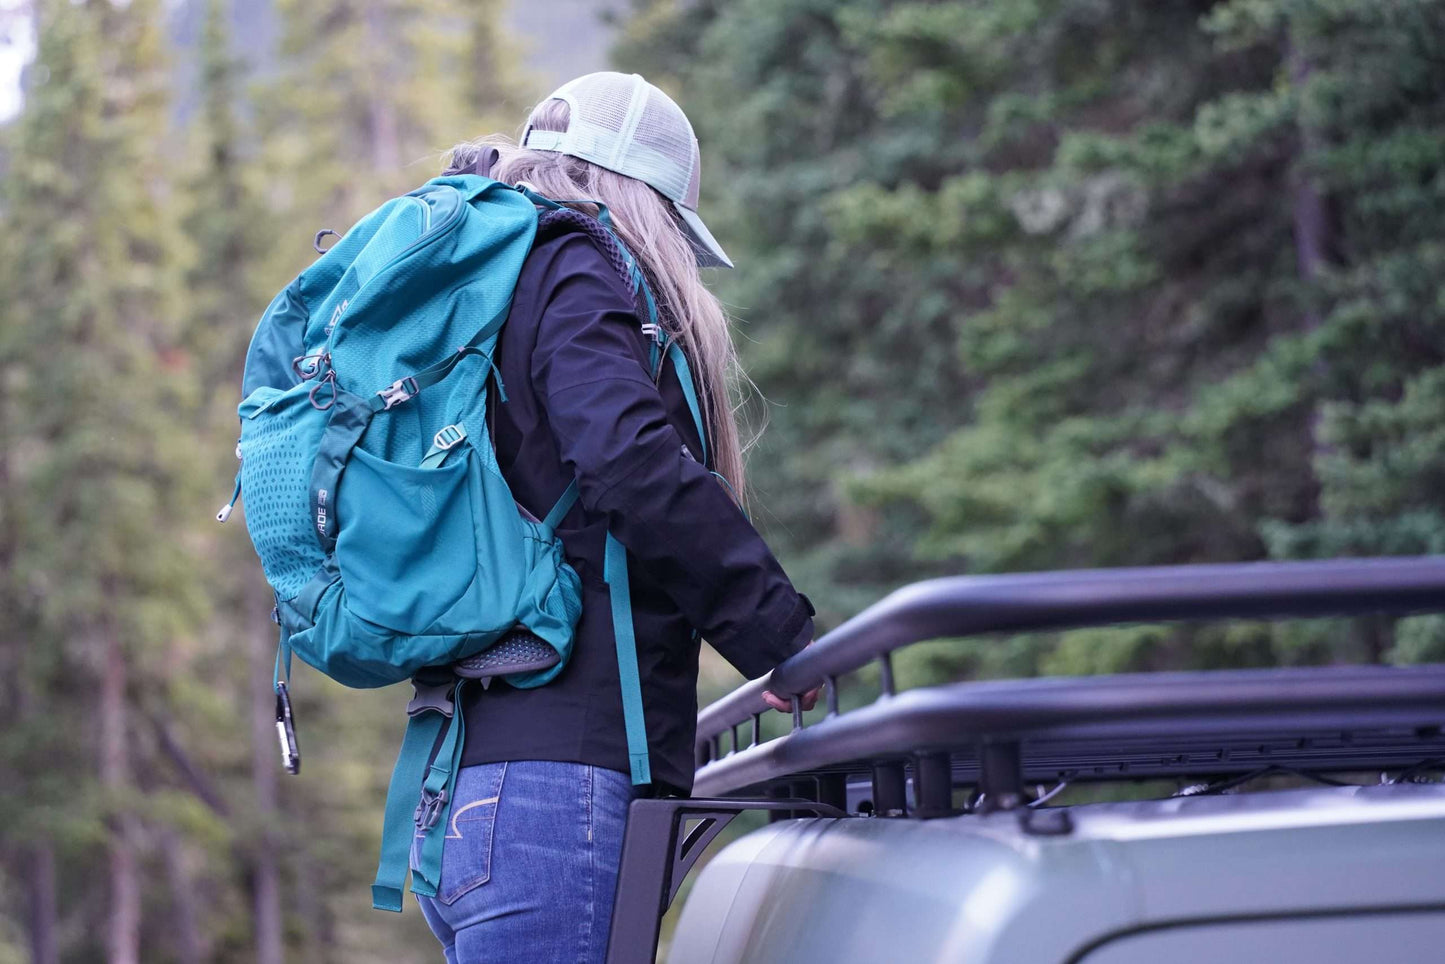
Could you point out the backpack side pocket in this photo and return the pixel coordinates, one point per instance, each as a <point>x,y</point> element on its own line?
<point>406,543</point>
<point>277,428</point>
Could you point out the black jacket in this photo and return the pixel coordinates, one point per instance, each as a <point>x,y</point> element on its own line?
<point>581,403</point>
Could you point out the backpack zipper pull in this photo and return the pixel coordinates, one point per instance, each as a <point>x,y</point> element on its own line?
<point>230,507</point>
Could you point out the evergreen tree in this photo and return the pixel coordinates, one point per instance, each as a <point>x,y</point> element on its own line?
<point>94,379</point>
<point>1161,301</point>
<point>371,93</point>
<point>368,96</point>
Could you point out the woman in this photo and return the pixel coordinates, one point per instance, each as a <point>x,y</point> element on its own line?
<point>530,858</point>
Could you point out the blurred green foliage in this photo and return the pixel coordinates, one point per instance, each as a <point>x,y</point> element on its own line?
<point>143,806</point>
<point>1040,285</point>
<point>1026,284</point>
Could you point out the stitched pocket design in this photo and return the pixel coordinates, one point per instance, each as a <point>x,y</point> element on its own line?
<point>467,850</point>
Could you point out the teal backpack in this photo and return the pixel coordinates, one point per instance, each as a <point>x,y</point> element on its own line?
<point>373,496</point>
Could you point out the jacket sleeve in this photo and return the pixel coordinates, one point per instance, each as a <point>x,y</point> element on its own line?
<point>675,519</point>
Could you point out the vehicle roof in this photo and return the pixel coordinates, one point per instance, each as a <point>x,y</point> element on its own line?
<point>981,888</point>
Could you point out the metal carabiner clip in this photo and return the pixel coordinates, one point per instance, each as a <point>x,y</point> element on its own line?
<point>286,730</point>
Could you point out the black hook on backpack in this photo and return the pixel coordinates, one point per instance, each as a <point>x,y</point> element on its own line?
<point>319,235</point>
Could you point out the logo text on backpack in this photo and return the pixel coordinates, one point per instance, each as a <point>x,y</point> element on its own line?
<point>335,317</point>
<point>321,511</point>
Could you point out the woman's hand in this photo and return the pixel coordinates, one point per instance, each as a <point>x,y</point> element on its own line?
<point>783,703</point>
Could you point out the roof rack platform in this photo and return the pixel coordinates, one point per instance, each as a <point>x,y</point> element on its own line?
<point>999,736</point>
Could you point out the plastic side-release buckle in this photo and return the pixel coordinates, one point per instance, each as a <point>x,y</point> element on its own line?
<point>399,391</point>
<point>428,698</point>
<point>429,810</point>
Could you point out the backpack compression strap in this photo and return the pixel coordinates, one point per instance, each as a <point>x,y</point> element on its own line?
<point>433,710</point>
<point>619,592</point>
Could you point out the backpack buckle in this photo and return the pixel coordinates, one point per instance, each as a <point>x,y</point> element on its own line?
<point>399,391</point>
<point>429,810</point>
<point>429,698</point>
<point>448,437</point>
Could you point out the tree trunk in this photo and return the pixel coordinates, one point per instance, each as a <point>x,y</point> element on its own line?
<point>1312,242</point>
<point>123,931</point>
<point>185,933</point>
<point>385,141</point>
<point>41,883</point>
<point>1308,205</point>
<point>265,870</point>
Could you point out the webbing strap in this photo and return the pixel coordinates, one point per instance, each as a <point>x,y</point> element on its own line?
<point>614,572</point>
<point>543,140</point>
<point>281,672</point>
<point>551,204</point>
<point>405,388</point>
<point>564,505</point>
<point>674,351</point>
<point>447,439</point>
<point>437,792</point>
<point>399,823</point>
<point>689,392</point>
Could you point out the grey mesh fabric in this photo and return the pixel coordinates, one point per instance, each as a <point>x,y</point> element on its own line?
<point>623,123</point>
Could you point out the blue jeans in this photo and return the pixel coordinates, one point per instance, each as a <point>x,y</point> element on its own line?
<point>529,864</point>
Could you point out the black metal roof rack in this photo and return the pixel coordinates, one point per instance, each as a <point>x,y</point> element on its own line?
<point>999,735</point>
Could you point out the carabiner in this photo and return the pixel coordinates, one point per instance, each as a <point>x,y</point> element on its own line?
<point>328,378</point>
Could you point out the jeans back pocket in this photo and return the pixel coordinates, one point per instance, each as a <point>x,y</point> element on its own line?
<point>467,849</point>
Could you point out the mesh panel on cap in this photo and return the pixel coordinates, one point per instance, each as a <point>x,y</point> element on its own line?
<point>625,124</point>
<point>621,122</point>
<point>599,107</point>
<point>663,146</point>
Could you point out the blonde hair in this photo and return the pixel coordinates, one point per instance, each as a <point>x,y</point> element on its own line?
<point>689,313</point>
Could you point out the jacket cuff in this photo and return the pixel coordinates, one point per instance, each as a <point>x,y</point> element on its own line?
<point>757,650</point>
<point>803,635</point>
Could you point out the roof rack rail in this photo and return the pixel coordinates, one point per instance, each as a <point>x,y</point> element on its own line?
<point>997,736</point>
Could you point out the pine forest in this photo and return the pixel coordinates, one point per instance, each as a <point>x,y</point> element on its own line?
<point>1021,285</point>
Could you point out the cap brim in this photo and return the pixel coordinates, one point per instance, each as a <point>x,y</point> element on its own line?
<point>709,253</point>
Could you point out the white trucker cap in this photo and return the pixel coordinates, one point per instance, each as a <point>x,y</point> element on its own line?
<point>623,123</point>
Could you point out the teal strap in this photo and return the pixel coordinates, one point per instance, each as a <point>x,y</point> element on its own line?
<point>442,444</point>
<point>674,351</point>
<point>497,377</point>
<point>282,670</point>
<point>564,505</point>
<point>433,815</point>
<point>646,296</point>
<point>401,799</point>
<point>684,375</point>
<point>614,571</point>
<point>230,506</point>
<point>403,389</point>
<point>603,215</point>
<point>652,328</point>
